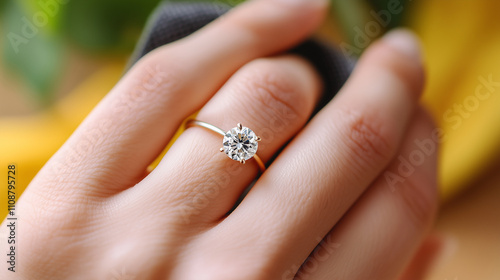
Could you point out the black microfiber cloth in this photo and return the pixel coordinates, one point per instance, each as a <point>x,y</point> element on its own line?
<point>172,21</point>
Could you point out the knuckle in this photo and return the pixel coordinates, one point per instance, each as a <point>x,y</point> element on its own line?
<point>367,138</point>
<point>276,91</point>
<point>151,81</point>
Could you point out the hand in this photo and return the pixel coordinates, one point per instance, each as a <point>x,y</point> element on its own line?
<point>335,204</point>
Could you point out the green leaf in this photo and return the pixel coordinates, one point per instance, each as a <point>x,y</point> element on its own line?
<point>396,19</point>
<point>227,2</point>
<point>99,25</point>
<point>31,50</point>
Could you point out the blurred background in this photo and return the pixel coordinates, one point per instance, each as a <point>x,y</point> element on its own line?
<point>58,58</point>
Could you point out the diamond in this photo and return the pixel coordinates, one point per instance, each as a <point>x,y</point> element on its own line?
<point>240,143</point>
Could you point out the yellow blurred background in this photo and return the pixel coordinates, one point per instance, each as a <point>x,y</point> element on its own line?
<point>50,83</point>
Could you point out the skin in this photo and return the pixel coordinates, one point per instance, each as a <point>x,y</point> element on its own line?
<point>322,210</point>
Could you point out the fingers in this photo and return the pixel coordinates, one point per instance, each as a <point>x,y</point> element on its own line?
<point>274,97</point>
<point>129,128</point>
<point>335,158</point>
<point>385,227</point>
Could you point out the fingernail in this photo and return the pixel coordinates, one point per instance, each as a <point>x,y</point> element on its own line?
<point>404,41</point>
<point>304,2</point>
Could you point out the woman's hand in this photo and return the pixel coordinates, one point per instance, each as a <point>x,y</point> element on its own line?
<point>351,197</point>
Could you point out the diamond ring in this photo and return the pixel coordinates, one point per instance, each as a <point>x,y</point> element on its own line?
<point>240,143</point>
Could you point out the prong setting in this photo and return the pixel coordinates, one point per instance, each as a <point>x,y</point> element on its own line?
<point>240,143</point>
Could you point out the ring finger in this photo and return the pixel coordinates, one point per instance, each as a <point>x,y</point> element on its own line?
<point>274,97</point>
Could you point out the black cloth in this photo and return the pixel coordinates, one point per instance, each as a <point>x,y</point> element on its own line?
<point>172,21</point>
